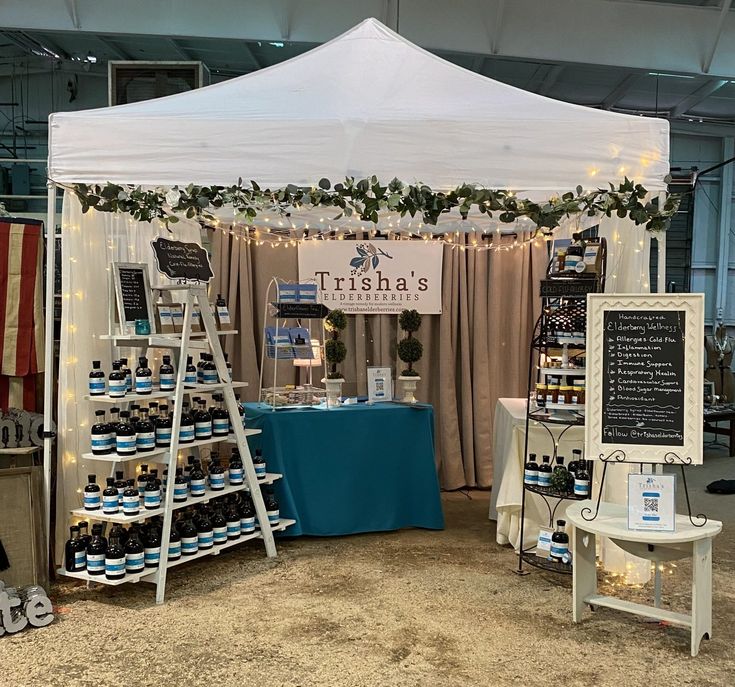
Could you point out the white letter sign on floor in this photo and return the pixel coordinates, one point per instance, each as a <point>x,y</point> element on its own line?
<point>375,277</point>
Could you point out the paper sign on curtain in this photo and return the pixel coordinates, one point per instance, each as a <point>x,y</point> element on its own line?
<point>375,277</point>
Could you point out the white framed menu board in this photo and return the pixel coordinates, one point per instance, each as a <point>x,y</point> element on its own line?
<point>644,392</point>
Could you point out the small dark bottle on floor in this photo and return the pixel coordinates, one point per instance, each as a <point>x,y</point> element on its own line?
<point>96,551</point>
<point>115,559</point>
<point>75,554</point>
<point>143,377</point>
<point>92,494</point>
<point>97,386</point>
<point>166,375</point>
<point>110,499</point>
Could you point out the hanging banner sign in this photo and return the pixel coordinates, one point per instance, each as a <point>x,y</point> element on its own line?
<point>375,277</point>
<point>644,377</point>
<point>185,262</point>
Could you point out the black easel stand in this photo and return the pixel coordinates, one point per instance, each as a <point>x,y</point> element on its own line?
<point>670,458</point>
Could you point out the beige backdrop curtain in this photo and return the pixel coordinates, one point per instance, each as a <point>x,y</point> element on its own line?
<point>474,353</point>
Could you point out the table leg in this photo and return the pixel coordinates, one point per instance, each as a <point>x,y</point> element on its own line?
<point>732,437</point>
<point>701,592</point>
<point>584,571</point>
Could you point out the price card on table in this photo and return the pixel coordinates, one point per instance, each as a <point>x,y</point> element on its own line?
<point>652,502</point>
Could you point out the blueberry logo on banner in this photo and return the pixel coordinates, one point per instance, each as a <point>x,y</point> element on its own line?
<point>368,256</point>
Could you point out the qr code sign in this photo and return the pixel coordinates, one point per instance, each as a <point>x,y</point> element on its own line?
<point>650,505</point>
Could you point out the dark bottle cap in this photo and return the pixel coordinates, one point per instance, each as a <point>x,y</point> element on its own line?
<point>143,361</point>
<point>116,365</point>
<point>124,414</point>
<point>561,523</point>
<point>131,482</point>
<point>124,361</point>
<point>99,413</point>
<point>110,482</point>
<point>96,364</point>
<point>92,479</point>
<point>167,359</point>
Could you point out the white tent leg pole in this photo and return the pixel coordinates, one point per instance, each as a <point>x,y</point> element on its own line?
<point>48,380</point>
<point>661,250</point>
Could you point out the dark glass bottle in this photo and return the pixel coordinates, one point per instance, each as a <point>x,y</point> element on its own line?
<point>116,381</point>
<point>142,480</point>
<point>544,473</point>
<point>174,545</point>
<point>134,416</point>
<point>220,418</point>
<point>110,498</point>
<point>205,534</point>
<point>96,550</point>
<point>189,537</point>
<point>271,507</point>
<point>582,480</point>
<point>163,428</point>
<point>97,530</point>
<point>219,527</point>
<point>143,377</point>
<point>259,464</point>
<point>216,474</point>
<point>190,378</point>
<point>186,426</point>
<point>530,472</point>
<point>103,440</point>
<point>560,542</point>
<point>114,422</point>
<point>120,485</point>
<point>574,462</point>
<point>200,364</point>
<point>114,559</point>
<point>75,554</point>
<point>181,487</point>
<point>145,433</point>
<point>240,409</point>
<point>153,547</point>
<point>153,414</point>
<point>235,469</point>
<point>125,436</point>
<point>229,367</point>
<point>247,514</point>
<point>92,494</point>
<point>202,422</point>
<point>152,494</point>
<point>197,482</point>
<point>134,554</point>
<point>118,530</point>
<point>84,534</point>
<point>166,375</point>
<point>128,374</point>
<point>97,386</point>
<point>209,370</point>
<point>232,521</point>
<point>131,499</point>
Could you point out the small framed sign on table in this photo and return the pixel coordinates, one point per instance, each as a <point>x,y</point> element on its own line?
<point>133,294</point>
<point>652,502</point>
<point>380,384</point>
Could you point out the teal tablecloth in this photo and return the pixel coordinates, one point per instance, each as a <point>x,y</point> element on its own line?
<point>351,469</point>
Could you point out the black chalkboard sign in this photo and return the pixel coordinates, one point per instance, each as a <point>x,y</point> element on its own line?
<point>303,311</point>
<point>133,291</point>
<point>184,262</point>
<point>643,380</point>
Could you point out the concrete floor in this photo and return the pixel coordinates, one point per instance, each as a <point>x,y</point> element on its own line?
<point>404,608</point>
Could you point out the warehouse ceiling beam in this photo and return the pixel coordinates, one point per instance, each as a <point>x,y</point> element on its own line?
<point>114,48</point>
<point>251,56</point>
<point>553,74</point>
<point>620,91</point>
<point>724,9</point>
<point>179,49</point>
<point>701,94</point>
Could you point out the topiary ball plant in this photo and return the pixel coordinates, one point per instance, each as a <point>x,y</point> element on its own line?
<point>410,350</point>
<point>335,350</point>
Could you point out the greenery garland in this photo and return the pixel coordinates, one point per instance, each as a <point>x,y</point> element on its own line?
<point>367,197</point>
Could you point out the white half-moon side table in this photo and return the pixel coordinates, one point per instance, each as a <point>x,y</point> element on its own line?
<point>688,540</point>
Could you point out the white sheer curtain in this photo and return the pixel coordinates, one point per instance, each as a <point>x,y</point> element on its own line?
<point>91,242</point>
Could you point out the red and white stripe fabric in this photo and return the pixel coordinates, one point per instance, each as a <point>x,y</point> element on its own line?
<point>21,312</point>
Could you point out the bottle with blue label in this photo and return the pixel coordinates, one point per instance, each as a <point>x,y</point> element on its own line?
<point>229,367</point>
<point>560,542</point>
<point>116,381</point>
<point>232,518</point>
<point>574,463</point>
<point>202,422</point>
<point>163,428</point>
<point>125,436</point>
<point>190,378</point>
<point>271,507</point>
<point>114,559</point>
<point>128,374</point>
<point>153,413</point>
<point>96,550</point>
<point>84,534</point>
<point>189,538</point>
<point>219,526</point>
<point>101,435</point>
<point>143,377</point>
<point>181,487</point>
<point>247,514</point>
<point>544,473</point>
<point>92,494</point>
<point>152,548</point>
<point>200,364</point>
<point>97,386</point>
<point>216,474</point>
<point>530,472</point>
<point>187,428</point>
<point>114,420</point>
<point>235,470</point>
<point>75,553</point>
<point>142,480</point>
<point>205,533</point>
<point>582,481</point>
<point>110,499</point>
<point>209,370</point>
<point>197,481</point>
<point>152,494</point>
<point>166,375</point>
<point>174,545</point>
<point>145,433</point>
<point>259,464</point>
<point>131,499</point>
<point>220,418</point>
<point>120,485</point>
<point>134,554</point>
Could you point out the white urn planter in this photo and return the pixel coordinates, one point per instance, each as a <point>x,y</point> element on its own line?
<point>334,391</point>
<point>408,387</point>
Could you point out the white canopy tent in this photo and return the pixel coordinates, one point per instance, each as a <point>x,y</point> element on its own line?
<point>367,103</point>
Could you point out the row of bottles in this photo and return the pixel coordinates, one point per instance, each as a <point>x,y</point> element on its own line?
<point>122,381</point>
<point>133,550</point>
<point>145,429</point>
<point>574,478</point>
<point>191,481</point>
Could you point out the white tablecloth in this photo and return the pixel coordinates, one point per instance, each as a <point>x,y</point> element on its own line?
<point>508,459</point>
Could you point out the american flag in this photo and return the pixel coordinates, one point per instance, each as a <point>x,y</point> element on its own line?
<point>21,312</point>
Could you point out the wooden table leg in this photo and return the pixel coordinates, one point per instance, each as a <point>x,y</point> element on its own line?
<point>584,571</point>
<point>701,592</point>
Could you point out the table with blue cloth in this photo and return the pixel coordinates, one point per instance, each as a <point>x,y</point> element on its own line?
<point>356,468</point>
